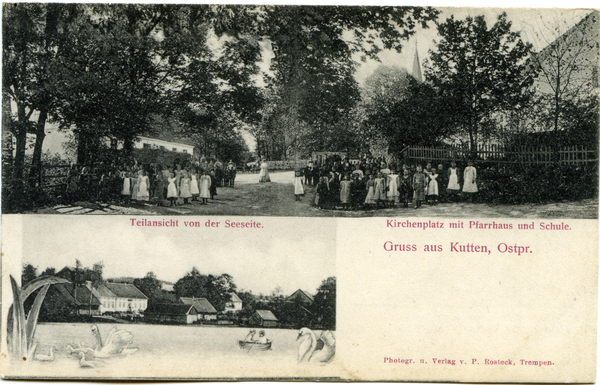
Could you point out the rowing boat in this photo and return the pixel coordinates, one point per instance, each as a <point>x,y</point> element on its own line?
<point>255,345</point>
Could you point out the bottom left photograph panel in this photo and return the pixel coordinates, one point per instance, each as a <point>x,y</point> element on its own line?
<point>104,299</point>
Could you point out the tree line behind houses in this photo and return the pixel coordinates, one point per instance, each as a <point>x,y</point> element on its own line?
<point>215,300</point>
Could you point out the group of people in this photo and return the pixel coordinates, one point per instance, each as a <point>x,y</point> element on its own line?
<point>375,184</point>
<point>182,182</point>
<point>261,339</point>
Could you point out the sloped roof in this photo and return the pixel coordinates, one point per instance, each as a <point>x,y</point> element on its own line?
<point>302,294</point>
<point>170,309</point>
<point>125,290</point>
<point>103,291</point>
<point>234,297</point>
<point>80,295</point>
<point>201,304</point>
<point>266,315</point>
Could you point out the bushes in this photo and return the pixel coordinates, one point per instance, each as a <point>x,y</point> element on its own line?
<point>525,183</point>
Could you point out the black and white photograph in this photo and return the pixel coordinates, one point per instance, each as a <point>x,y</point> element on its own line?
<point>151,305</point>
<point>309,111</point>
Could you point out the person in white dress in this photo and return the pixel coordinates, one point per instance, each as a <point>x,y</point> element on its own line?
<point>205,182</point>
<point>298,188</point>
<point>470,180</point>
<point>126,190</point>
<point>184,187</point>
<point>432,186</point>
<point>195,186</point>
<point>453,186</point>
<point>172,188</point>
<point>264,172</point>
<point>392,187</point>
<point>143,193</point>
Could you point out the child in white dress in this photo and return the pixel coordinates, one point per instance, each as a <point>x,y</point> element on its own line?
<point>184,187</point>
<point>195,188</point>
<point>205,182</point>
<point>143,193</point>
<point>172,189</point>
<point>298,188</point>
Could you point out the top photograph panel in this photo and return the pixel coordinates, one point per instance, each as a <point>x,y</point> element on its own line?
<point>324,111</point>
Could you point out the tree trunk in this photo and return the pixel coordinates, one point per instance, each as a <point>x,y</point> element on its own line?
<point>40,134</point>
<point>20,133</point>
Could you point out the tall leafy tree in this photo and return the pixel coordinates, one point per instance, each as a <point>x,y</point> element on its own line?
<point>313,83</point>
<point>29,273</point>
<point>479,70</point>
<point>31,46</point>
<point>215,289</point>
<point>324,306</point>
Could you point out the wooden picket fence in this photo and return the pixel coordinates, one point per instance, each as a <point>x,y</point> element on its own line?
<point>497,153</point>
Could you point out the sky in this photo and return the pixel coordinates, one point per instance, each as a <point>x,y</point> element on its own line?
<point>293,254</point>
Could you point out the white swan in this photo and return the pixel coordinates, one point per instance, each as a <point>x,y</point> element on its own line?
<point>45,357</point>
<point>116,342</point>
<point>78,349</point>
<point>313,349</point>
<point>86,364</point>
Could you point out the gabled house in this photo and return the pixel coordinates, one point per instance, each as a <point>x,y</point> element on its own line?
<point>302,296</point>
<point>234,304</point>
<point>263,318</point>
<point>204,309</point>
<point>120,297</point>
<point>79,297</point>
<point>171,313</point>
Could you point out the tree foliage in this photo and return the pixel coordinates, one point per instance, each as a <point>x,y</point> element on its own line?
<point>324,306</point>
<point>215,289</point>
<point>313,89</point>
<point>478,71</point>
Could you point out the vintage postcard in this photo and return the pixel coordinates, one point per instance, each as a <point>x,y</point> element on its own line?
<point>331,193</point>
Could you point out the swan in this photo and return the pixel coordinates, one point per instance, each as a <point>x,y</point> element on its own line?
<point>45,357</point>
<point>81,348</point>
<point>326,353</point>
<point>116,342</point>
<point>313,349</point>
<point>86,364</point>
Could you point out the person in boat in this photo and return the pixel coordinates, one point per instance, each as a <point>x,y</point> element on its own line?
<point>262,338</point>
<point>250,336</point>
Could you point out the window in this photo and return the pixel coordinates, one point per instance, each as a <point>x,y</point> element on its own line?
<point>184,150</point>
<point>174,148</point>
<point>162,148</point>
<point>146,146</point>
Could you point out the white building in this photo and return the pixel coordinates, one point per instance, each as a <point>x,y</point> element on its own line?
<point>145,142</point>
<point>234,304</point>
<point>120,297</point>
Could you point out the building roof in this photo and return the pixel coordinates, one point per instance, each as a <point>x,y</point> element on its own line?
<point>103,291</point>
<point>201,304</point>
<point>234,297</point>
<point>80,295</point>
<point>171,309</point>
<point>125,290</point>
<point>304,296</point>
<point>266,315</point>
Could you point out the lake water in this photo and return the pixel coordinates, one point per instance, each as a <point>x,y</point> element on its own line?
<point>168,351</point>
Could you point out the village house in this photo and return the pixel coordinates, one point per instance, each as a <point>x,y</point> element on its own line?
<point>264,318</point>
<point>204,309</point>
<point>120,298</point>
<point>171,313</point>
<point>302,296</point>
<point>234,304</point>
<point>80,297</point>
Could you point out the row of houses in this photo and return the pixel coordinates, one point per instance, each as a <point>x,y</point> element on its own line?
<point>118,298</point>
